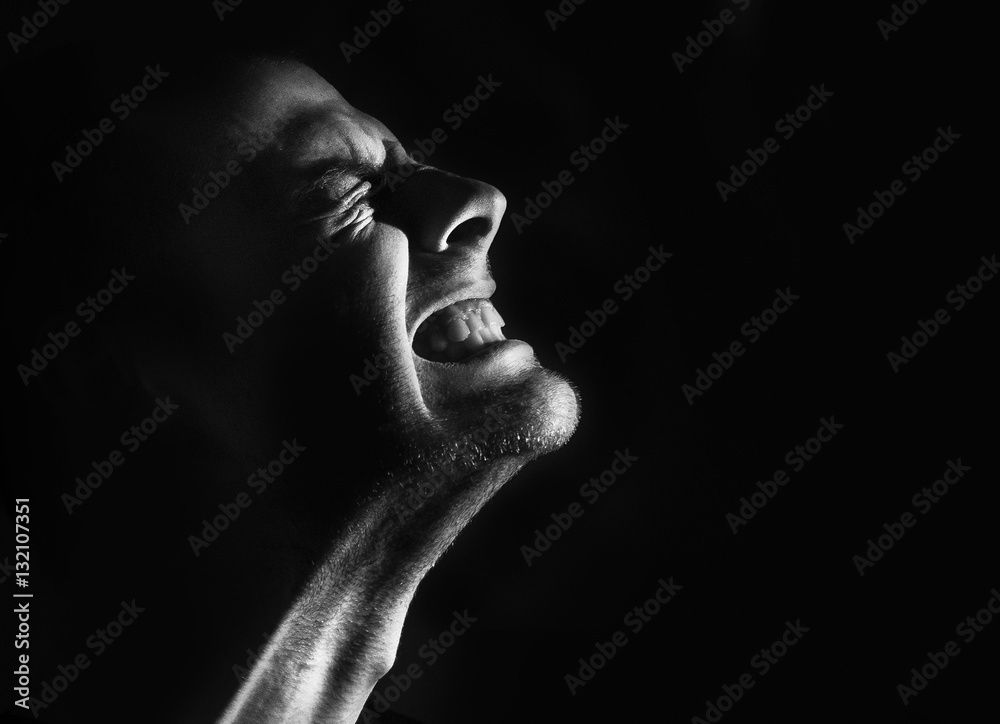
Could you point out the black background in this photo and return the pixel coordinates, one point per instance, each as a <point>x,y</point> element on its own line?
<point>655,185</point>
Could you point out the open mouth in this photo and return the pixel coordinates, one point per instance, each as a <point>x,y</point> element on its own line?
<point>459,331</point>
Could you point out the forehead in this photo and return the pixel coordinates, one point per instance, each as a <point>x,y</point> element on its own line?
<point>309,118</point>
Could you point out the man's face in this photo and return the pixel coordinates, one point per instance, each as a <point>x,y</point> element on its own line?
<point>383,272</point>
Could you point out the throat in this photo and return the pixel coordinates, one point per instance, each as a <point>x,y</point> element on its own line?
<point>340,635</point>
<point>330,650</point>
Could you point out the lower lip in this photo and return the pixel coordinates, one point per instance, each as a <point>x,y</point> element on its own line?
<point>505,352</point>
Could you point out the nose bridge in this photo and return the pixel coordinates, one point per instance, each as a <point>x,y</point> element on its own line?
<point>443,211</point>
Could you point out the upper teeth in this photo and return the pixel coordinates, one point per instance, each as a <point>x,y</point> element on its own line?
<point>462,328</point>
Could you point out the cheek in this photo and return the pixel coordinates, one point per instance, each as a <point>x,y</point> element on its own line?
<point>382,269</point>
<point>362,285</point>
<point>351,328</point>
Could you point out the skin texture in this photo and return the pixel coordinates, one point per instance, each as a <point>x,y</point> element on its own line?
<point>328,558</point>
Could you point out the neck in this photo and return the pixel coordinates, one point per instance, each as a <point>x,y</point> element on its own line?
<point>330,649</point>
<point>341,634</point>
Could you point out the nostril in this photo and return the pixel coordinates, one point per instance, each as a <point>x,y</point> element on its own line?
<point>470,231</point>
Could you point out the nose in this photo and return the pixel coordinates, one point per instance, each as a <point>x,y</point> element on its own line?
<point>441,212</point>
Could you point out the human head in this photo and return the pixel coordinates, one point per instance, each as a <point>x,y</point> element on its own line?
<point>286,257</point>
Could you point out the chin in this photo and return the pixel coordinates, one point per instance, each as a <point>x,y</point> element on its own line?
<point>494,411</point>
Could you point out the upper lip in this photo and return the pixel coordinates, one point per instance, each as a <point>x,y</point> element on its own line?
<point>482,289</point>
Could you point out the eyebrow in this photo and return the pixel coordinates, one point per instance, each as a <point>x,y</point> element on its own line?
<point>313,196</point>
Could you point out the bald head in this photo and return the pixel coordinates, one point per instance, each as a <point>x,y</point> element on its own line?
<point>279,240</point>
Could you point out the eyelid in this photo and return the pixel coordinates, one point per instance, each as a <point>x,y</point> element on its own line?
<point>352,215</point>
<point>353,196</point>
<point>354,221</point>
<point>323,201</point>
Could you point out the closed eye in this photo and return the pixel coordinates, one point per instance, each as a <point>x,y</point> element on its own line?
<point>335,191</point>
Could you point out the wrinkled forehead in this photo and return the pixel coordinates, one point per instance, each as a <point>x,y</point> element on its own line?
<point>308,118</point>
